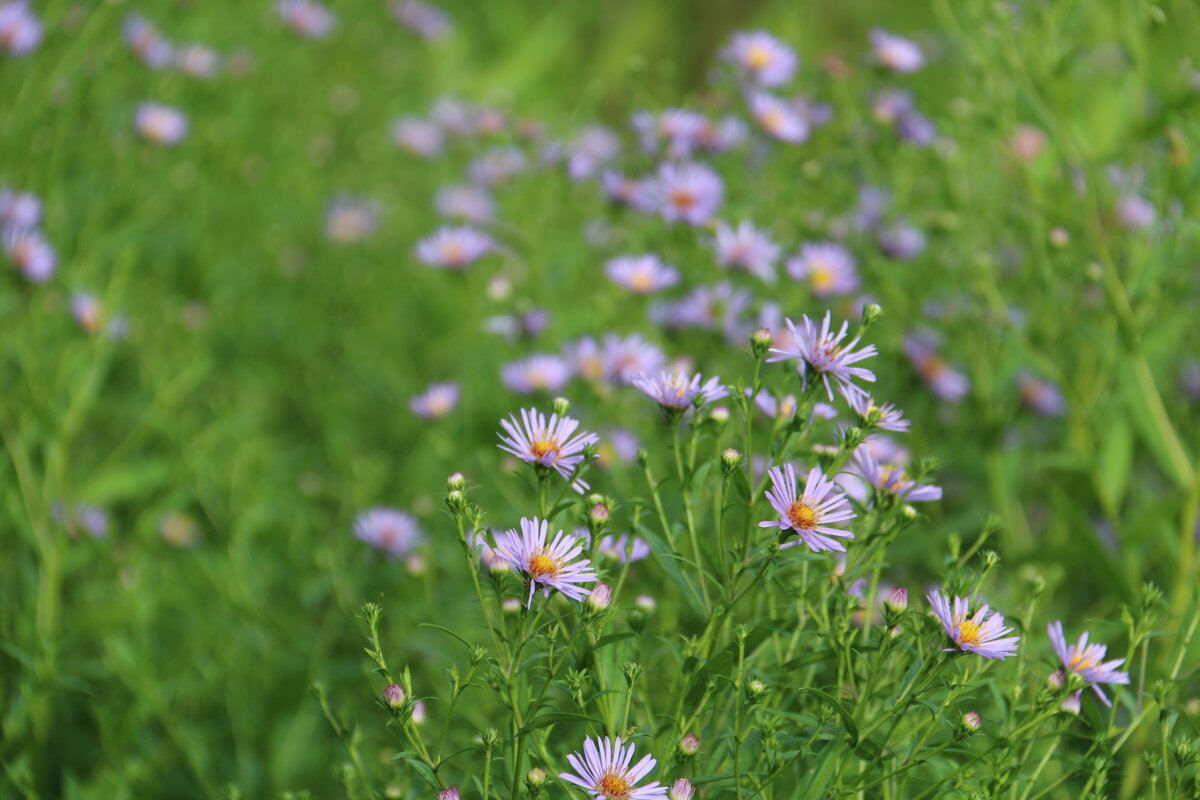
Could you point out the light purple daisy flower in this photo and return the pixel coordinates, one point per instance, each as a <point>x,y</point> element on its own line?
<point>392,531</point>
<point>350,219</point>
<point>891,478</point>
<point>822,351</point>
<point>198,61</point>
<point>550,443</point>
<point>637,194</point>
<point>621,549</point>
<point>455,115</point>
<point>438,400</point>
<point>618,444</point>
<point>890,105</point>
<point>1135,212</point>
<point>719,136</point>
<point>497,166</point>
<point>454,247</point>
<point>1043,396</point>
<point>901,241</point>
<point>471,203</point>
<point>707,307</point>
<point>1087,661</point>
<point>895,52</point>
<point>827,267</point>
<point>746,247</point>
<point>979,634</point>
<point>537,373</point>
<point>604,772</point>
<point>586,359</point>
<point>777,118</point>
<point>678,391</point>
<point>642,274</point>
<point>679,128</point>
<point>688,192</point>
<point>161,124</point>
<point>916,128</point>
<point>418,136</point>
<point>810,513</point>
<point>550,565</point>
<point>625,358</point>
<point>145,40</point>
<point>945,382</point>
<point>886,417</point>
<point>21,210</point>
<point>426,20</point>
<point>20,30</point>
<point>761,57</point>
<point>594,147</point>
<point>87,311</point>
<point>30,253</point>
<point>307,17</point>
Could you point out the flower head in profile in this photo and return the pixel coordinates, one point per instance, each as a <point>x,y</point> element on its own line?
<point>892,479</point>
<point>762,58</point>
<point>642,274</point>
<point>392,531</point>
<point>746,247</point>
<point>678,391</point>
<point>307,17</point>
<point>550,566</point>
<point>161,124</point>
<point>622,549</point>
<point>827,267</point>
<point>777,118</point>
<point>541,372</point>
<point>895,52</point>
<point>30,253</point>
<point>688,192</point>
<point>979,633</point>
<point>1087,661</point>
<point>946,382</point>
<point>20,30</point>
<point>822,351</point>
<point>603,770</point>
<point>454,247</point>
<point>438,400</point>
<point>549,443</point>
<point>810,513</point>
<point>885,417</point>
<point>1042,395</point>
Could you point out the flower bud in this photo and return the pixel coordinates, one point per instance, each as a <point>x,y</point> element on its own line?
<point>898,600</point>
<point>456,501</point>
<point>418,714</point>
<point>511,605</point>
<point>393,695</point>
<point>689,745</point>
<point>1072,704</point>
<point>643,456</point>
<point>598,513</point>
<point>682,789</point>
<point>415,564</point>
<point>1056,680</point>
<point>971,721</point>
<point>456,481</point>
<point>871,313</point>
<point>731,459</point>
<point>561,406</point>
<point>449,794</point>
<point>645,602</point>
<point>760,342</point>
<point>755,689</point>
<point>600,597</point>
<point>1059,237</point>
<point>719,414</point>
<point>535,779</point>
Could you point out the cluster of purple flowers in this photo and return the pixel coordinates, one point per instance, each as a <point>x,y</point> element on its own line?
<point>25,245</point>
<point>158,52</point>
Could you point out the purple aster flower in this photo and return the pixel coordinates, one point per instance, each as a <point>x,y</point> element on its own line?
<point>895,52</point>
<point>454,115</point>
<point>890,105</point>
<point>161,123</point>
<point>810,514</point>
<point>552,444</point>
<point>198,61</point>
<point>822,351</point>
<point>497,166</point>
<point>586,359</point>
<point>901,241</point>
<point>1041,395</point>
<point>145,40</point>
<point>637,194</point>
<point>679,128</point>
<point>350,219</point>
<point>471,203</point>
<point>916,128</point>
<point>424,19</point>
<point>20,30</point>
<point>706,307</point>
<point>512,326</point>
<point>827,267</point>
<point>642,274</point>
<point>618,444</point>
<point>748,248</point>
<point>454,247</point>
<point>688,192</point>
<point>762,58</point>
<point>678,391</point>
<point>1087,661</point>
<point>979,634</point>
<point>1135,212</point>
<point>886,417</point>
<point>719,136</point>
<point>550,565</point>
<point>30,253</point>
<point>621,549</point>
<point>946,382</point>
<point>625,358</point>
<point>594,147</point>
<point>892,479</point>
<point>87,311</point>
<point>537,373</point>
<point>307,17</point>
<point>93,520</point>
<point>438,400</point>
<point>418,136</point>
<point>392,531</point>
<point>604,772</point>
<point>778,118</point>
<point>22,210</point>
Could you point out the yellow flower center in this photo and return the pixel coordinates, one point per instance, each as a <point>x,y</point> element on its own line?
<point>772,120</point>
<point>543,447</point>
<point>802,516</point>
<point>821,278</point>
<point>758,56</point>
<point>968,633</point>
<point>453,252</point>
<point>542,565</point>
<point>641,281</point>
<point>613,787</point>
<point>1081,661</point>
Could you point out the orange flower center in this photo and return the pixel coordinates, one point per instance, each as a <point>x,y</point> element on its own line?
<point>613,787</point>
<point>543,447</point>
<point>542,565</point>
<point>641,281</point>
<point>758,57</point>
<point>930,367</point>
<point>682,198</point>
<point>772,120</point>
<point>453,252</point>
<point>968,633</point>
<point>802,516</point>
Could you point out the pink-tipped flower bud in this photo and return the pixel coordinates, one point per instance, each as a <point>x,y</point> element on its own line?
<point>393,695</point>
<point>536,777</point>
<point>1073,703</point>
<point>456,481</point>
<point>645,602</point>
<point>682,789</point>
<point>689,745</point>
<point>971,721</point>
<point>897,601</point>
<point>418,715</point>
<point>600,597</point>
<point>1056,680</point>
<point>448,794</point>
<point>760,342</point>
